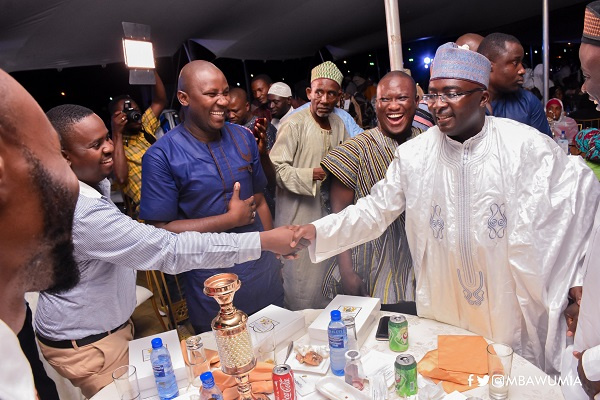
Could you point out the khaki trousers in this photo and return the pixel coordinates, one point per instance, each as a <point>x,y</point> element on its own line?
<point>90,367</point>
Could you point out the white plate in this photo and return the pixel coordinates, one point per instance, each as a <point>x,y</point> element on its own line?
<point>336,389</point>
<point>320,369</point>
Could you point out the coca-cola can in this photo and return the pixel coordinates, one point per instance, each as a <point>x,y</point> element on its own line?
<point>284,387</point>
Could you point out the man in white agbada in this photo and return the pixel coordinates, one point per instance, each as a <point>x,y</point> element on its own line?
<point>303,139</point>
<point>582,360</point>
<point>497,218</point>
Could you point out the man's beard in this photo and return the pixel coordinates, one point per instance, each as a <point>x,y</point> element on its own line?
<point>52,266</point>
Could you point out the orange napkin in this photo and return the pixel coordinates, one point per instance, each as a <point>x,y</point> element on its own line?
<point>260,377</point>
<point>456,359</point>
<point>463,353</point>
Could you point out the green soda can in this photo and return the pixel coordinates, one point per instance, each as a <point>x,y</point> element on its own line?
<point>398,333</point>
<point>406,375</point>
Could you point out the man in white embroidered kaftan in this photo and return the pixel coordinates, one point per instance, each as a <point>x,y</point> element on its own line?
<point>497,218</point>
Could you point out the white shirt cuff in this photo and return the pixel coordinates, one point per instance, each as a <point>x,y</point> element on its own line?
<point>249,247</point>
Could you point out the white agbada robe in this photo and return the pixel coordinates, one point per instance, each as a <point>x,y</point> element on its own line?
<point>587,334</point>
<point>300,146</point>
<point>16,378</point>
<point>497,226</point>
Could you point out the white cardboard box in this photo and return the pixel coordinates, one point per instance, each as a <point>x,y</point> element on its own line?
<point>364,309</point>
<point>286,325</point>
<point>139,356</point>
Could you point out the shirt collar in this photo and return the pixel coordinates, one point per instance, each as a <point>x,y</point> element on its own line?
<point>88,191</point>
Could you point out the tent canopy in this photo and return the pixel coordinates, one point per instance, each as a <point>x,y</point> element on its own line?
<point>68,33</point>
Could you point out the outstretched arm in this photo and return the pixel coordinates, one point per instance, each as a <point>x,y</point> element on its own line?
<point>159,96</point>
<point>120,168</point>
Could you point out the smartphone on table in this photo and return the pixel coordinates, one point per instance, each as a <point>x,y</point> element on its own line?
<point>382,329</point>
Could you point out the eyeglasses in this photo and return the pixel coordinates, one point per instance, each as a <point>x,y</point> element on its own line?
<point>387,100</point>
<point>431,99</point>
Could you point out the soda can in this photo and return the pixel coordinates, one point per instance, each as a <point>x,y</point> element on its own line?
<point>284,387</point>
<point>405,369</point>
<point>398,332</point>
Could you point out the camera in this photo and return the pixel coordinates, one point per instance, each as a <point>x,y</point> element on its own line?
<point>131,114</point>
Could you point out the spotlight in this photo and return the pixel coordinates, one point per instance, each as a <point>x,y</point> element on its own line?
<point>138,52</point>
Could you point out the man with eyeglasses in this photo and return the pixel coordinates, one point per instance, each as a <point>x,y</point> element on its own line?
<point>303,139</point>
<point>508,99</point>
<point>497,218</point>
<point>383,267</point>
<point>200,171</point>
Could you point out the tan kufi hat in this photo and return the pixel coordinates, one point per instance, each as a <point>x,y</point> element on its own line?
<point>327,70</point>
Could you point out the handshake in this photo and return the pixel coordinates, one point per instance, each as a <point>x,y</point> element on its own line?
<point>287,241</point>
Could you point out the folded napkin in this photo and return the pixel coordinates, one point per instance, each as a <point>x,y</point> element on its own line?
<point>260,377</point>
<point>456,359</point>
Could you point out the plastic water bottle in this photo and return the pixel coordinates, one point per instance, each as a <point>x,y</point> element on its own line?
<point>563,142</point>
<point>338,343</point>
<point>166,383</point>
<point>209,390</point>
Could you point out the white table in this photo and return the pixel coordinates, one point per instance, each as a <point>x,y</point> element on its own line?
<point>423,335</point>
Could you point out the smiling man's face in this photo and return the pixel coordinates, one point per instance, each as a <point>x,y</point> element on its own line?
<point>463,118</point>
<point>589,55</point>
<point>396,105</point>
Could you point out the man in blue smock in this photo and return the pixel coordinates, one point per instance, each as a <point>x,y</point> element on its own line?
<point>508,99</point>
<point>190,174</point>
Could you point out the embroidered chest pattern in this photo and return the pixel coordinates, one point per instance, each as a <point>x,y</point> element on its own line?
<point>436,222</point>
<point>497,221</point>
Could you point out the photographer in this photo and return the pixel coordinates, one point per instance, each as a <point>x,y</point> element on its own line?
<point>133,134</point>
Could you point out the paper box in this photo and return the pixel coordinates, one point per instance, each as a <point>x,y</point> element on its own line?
<point>139,356</point>
<point>365,311</point>
<point>286,325</point>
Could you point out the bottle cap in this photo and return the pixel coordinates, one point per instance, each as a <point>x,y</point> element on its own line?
<point>156,343</point>
<point>352,355</point>
<point>207,379</point>
<point>336,315</point>
<point>193,342</point>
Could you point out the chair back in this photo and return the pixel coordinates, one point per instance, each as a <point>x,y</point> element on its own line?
<point>170,293</point>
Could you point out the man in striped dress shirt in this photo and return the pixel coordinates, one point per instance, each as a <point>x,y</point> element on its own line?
<point>84,332</point>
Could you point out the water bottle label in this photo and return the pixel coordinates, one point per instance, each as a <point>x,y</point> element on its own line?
<point>336,342</point>
<point>159,371</point>
<point>337,331</point>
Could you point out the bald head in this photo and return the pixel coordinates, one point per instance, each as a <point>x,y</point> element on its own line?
<point>204,94</point>
<point>396,105</point>
<point>12,95</point>
<point>194,71</point>
<point>397,76</point>
<point>472,40</point>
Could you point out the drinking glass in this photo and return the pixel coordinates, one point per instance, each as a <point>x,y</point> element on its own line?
<point>125,378</point>
<point>264,346</point>
<point>499,357</point>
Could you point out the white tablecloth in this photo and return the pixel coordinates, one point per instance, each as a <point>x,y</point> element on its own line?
<point>423,335</point>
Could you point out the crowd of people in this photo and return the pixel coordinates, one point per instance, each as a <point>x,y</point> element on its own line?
<point>455,204</point>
